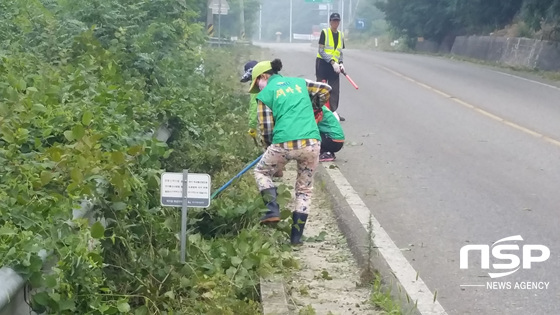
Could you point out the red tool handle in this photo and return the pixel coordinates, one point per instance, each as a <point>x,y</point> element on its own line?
<point>351,81</point>
<point>328,104</point>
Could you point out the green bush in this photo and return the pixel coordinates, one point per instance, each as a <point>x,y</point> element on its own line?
<point>83,86</point>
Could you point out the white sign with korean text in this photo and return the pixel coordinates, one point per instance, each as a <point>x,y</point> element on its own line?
<point>198,190</point>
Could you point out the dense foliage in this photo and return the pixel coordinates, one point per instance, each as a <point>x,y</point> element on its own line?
<point>83,87</point>
<point>436,19</point>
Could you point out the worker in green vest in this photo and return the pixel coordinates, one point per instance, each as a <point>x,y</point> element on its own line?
<point>248,68</point>
<point>286,119</point>
<point>328,64</point>
<point>246,77</point>
<point>332,136</point>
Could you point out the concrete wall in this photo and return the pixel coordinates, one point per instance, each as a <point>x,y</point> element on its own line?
<point>434,47</point>
<point>523,52</point>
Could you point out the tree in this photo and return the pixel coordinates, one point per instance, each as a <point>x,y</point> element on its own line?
<point>543,15</point>
<point>430,19</point>
<point>374,18</point>
<point>437,19</point>
<point>482,16</point>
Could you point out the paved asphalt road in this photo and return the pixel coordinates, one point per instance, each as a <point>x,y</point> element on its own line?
<point>446,154</point>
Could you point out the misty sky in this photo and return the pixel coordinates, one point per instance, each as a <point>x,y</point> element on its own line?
<point>276,16</point>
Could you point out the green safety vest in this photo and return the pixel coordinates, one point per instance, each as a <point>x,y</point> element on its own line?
<point>253,111</point>
<point>291,107</point>
<point>330,50</point>
<point>330,125</point>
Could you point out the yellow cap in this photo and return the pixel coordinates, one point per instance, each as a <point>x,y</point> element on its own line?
<point>258,69</point>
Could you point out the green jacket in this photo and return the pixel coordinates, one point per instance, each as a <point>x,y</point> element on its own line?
<point>253,112</point>
<point>291,107</point>
<point>330,126</point>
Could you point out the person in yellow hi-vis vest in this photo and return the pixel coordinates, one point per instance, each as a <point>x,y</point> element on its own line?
<point>329,60</point>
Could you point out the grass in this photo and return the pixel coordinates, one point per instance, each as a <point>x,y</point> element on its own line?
<point>381,298</point>
<point>308,310</point>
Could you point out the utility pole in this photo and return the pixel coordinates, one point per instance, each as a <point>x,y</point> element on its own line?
<point>356,7</point>
<point>242,19</point>
<point>219,23</point>
<point>209,15</point>
<point>350,12</point>
<point>342,16</point>
<point>328,14</point>
<point>291,21</point>
<point>260,22</point>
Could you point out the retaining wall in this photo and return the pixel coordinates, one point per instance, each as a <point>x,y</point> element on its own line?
<point>512,51</point>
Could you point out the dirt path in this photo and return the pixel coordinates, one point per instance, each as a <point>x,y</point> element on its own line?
<point>328,281</point>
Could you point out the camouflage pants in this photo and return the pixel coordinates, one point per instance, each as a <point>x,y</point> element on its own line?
<point>276,157</point>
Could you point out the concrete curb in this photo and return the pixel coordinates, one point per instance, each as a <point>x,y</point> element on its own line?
<point>354,218</point>
<point>273,296</point>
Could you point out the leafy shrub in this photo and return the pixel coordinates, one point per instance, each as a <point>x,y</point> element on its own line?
<point>83,87</point>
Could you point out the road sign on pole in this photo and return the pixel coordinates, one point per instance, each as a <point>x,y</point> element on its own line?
<point>185,190</point>
<point>184,212</point>
<point>219,7</point>
<point>360,24</point>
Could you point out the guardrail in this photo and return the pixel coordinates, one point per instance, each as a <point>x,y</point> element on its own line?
<point>12,285</point>
<point>11,293</point>
<point>215,41</point>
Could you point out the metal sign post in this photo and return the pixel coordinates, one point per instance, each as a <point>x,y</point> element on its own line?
<point>220,7</point>
<point>220,24</point>
<point>184,209</point>
<point>185,190</point>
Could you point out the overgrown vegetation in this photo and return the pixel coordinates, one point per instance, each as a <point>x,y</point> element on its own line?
<point>83,86</point>
<point>441,19</point>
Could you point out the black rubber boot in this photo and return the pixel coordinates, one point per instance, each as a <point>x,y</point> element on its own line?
<point>269,197</point>
<point>297,227</point>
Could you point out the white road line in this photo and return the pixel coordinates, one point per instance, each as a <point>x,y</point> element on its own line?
<point>405,273</point>
<point>525,79</point>
<point>480,110</point>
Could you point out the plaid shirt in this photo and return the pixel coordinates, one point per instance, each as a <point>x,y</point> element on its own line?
<point>266,119</point>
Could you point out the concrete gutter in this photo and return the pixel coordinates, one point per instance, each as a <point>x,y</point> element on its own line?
<point>354,220</point>
<point>273,296</point>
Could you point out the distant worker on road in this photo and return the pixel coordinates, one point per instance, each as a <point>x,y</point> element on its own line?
<point>329,60</point>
